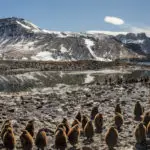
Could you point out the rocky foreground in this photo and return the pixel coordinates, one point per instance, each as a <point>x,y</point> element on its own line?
<point>48,107</point>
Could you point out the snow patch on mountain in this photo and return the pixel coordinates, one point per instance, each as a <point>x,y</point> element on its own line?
<point>24,26</point>
<point>52,32</point>
<point>33,25</point>
<point>57,33</point>
<point>89,43</point>
<point>63,49</point>
<point>44,56</point>
<point>3,41</point>
<point>64,34</point>
<point>23,45</point>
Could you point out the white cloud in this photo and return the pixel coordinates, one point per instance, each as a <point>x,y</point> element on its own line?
<point>124,29</point>
<point>114,20</point>
<point>106,32</point>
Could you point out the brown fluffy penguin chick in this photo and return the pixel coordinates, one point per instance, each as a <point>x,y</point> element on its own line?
<point>148,130</point>
<point>85,119</point>
<point>66,124</point>
<point>140,133</point>
<point>60,139</point>
<point>138,111</point>
<point>89,130</point>
<point>41,139</point>
<point>111,137</point>
<point>79,116</point>
<point>73,135</point>
<point>98,121</point>
<point>30,127</point>
<point>4,129</point>
<point>118,121</point>
<point>26,140</point>
<point>75,122</point>
<point>146,118</point>
<point>118,109</point>
<point>9,139</point>
<point>94,112</point>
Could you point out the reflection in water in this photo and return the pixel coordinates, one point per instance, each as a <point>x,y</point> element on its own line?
<point>28,81</point>
<point>102,71</point>
<point>144,63</point>
<point>89,78</point>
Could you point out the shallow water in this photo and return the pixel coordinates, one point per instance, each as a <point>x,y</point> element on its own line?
<point>44,79</point>
<point>144,63</point>
<point>102,71</point>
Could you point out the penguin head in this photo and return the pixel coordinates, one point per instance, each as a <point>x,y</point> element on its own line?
<point>42,129</point>
<point>141,125</point>
<point>95,107</point>
<point>9,130</point>
<point>137,102</point>
<point>7,121</point>
<point>24,131</point>
<point>100,115</point>
<point>65,120</point>
<point>90,122</point>
<point>84,117</point>
<point>118,105</point>
<point>76,127</point>
<point>112,129</point>
<point>60,131</point>
<point>31,122</point>
<point>79,113</point>
<point>61,126</point>
<point>7,126</point>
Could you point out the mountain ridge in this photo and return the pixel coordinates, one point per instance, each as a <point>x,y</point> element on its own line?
<point>22,40</point>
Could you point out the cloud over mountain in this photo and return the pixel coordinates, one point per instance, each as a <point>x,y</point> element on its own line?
<point>114,20</point>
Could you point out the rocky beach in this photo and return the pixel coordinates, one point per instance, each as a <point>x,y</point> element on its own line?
<point>55,95</point>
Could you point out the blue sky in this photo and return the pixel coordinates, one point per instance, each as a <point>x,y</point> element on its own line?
<point>80,15</point>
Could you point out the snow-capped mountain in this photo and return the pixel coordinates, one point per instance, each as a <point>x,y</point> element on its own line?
<point>20,39</point>
<point>139,43</point>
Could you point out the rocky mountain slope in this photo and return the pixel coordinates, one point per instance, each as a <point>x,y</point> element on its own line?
<point>139,43</point>
<point>20,39</point>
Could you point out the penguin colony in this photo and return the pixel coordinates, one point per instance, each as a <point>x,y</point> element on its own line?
<point>82,125</point>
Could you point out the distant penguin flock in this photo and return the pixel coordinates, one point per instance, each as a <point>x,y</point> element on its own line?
<point>82,125</point>
<point>129,80</point>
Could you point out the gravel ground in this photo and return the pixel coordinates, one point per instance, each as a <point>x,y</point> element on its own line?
<point>47,106</point>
